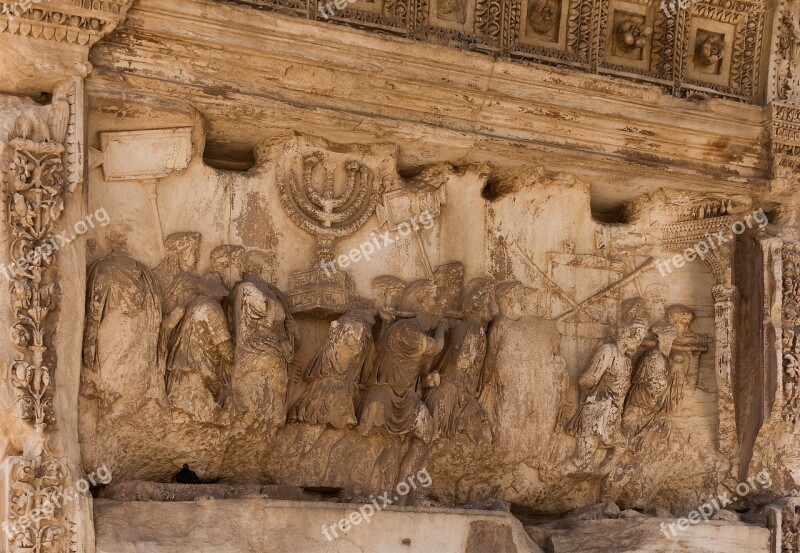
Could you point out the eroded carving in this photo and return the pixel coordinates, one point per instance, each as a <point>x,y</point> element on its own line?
<point>633,33</point>
<point>605,384</point>
<point>654,391</point>
<point>338,373</point>
<point>453,403</point>
<point>266,338</point>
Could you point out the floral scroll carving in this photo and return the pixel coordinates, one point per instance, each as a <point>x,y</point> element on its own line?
<point>34,194</point>
<point>35,181</point>
<point>791,321</point>
<point>36,486</point>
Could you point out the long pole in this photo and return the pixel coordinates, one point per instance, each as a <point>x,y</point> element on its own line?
<point>611,287</point>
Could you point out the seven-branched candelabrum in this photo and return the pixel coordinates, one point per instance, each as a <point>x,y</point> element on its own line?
<point>34,196</point>
<point>317,208</point>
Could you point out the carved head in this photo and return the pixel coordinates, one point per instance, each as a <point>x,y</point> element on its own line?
<point>260,263</point>
<point>388,291</point>
<point>665,333</point>
<point>420,297</point>
<point>634,308</point>
<point>631,335</point>
<point>449,280</point>
<point>228,261</point>
<point>479,302</point>
<point>349,335</point>
<point>680,316</point>
<point>185,247</point>
<point>510,296</point>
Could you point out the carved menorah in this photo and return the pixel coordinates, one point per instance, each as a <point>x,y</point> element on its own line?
<point>319,210</point>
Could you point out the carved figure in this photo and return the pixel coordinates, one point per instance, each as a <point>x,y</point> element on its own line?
<point>388,291</point>
<point>682,317</point>
<point>177,273</point>
<point>405,352</point>
<point>227,261</point>
<point>195,339</point>
<point>454,403</point>
<point>510,297</point>
<point>652,392</point>
<point>334,376</point>
<point>200,352</point>
<point>605,384</point>
<point>266,339</point>
<point>120,340</point>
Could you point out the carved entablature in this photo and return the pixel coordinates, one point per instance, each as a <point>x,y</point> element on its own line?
<point>82,22</point>
<point>785,137</point>
<point>707,48</point>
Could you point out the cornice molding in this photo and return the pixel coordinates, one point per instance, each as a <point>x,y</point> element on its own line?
<point>80,22</point>
<point>359,81</point>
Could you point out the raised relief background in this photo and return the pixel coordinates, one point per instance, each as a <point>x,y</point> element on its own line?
<point>277,327</point>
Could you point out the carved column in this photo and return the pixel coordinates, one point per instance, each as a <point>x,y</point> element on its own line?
<point>725,345</point>
<point>42,162</point>
<point>42,170</point>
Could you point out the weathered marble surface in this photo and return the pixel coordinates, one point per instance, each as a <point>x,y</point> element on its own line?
<point>262,526</point>
<point>525,344</point>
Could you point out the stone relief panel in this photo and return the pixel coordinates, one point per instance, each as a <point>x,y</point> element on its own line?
<point>407,357</point>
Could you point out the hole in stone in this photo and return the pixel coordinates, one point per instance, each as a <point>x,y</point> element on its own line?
<point>227,157</point>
